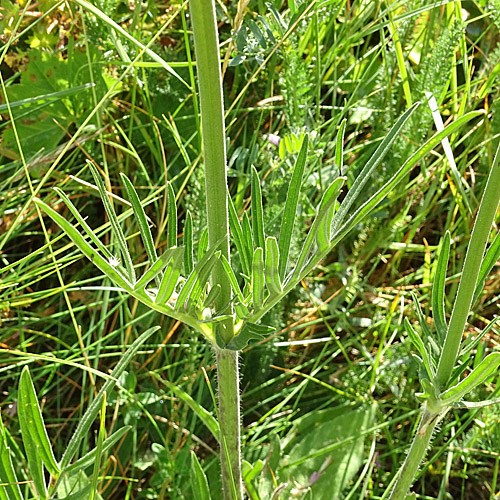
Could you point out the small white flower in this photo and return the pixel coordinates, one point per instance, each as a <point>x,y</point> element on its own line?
<point>114,261</point>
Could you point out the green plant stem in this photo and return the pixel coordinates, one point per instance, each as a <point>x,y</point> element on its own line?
<point>229,422</point>
<point>214,150</point>
<point>214,143</point>
<point>417,451</point>
<point>470,272</point>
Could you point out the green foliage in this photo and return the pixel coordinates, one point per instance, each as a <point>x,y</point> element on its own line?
<point>51,91</point>
<point>338,335</point>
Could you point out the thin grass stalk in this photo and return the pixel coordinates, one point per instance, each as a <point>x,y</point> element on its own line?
<point>214,150</point>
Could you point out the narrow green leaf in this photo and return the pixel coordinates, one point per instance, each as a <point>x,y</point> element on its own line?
<point>172,217</point>
<point>471,343</point>
<point>203,245</point>
<point>327,210</point>
<point>199,483</point>
<point>484,370</point>
<point>155,269</point>
<point>212,296</point>
<point>237,232</point>
<point>421,318</point>
<point>257,211</point>
<point>31,421</point>
<point>341,229</point>
<point>9,490</point>
<point>290,212</point>
<point>272,274</point>
<point>89,416</point>
<point>197,280</point>
<point>476,404</point>
<point>170,276</point>
<point>203,414</point>
<point>258,280</point>
<point>339,149</point>
<point>232,278</point>
<point>489,260</point>
<point>89,458</point>
<point>88,230</point>
<point>110,270</point>
<point>141,218</point>
<point>35,439</point>
<point>323,222</point>
<point>247,236</point>
<point>438,288</point>
<point>106,19</point>
<point>99,447</point>
<point>365,174</point>
<point>115,224</point>
<point>242,310</point>
<point>188,244</point>
<point>419,345</point>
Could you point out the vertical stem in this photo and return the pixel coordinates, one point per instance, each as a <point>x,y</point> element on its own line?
<point>229,421</point>
<point>415,455</point>
<point>470,272</point>
<point>214,149</point>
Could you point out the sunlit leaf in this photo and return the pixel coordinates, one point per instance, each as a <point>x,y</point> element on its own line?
<point>290,211</point>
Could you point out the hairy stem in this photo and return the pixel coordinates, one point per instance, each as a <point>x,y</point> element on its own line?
<point>214,151</point>
<point>229,421</point>
<point>415,456</point>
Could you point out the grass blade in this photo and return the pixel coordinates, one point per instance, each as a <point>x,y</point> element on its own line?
<point>9,490</point>
<point>172,218</point>
<point>107,20</point>
<point>339,149</point>
<point>290,212</point>
<point>90,415</point>
<point>438,288</point>
<point>90,457</point>
<point>99,449</point>
<point>115,224</point>
<point>257,211</point>
<point>31,421</point>
<point>199,483</point>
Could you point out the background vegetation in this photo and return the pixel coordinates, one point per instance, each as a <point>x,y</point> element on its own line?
<point>290,67</point>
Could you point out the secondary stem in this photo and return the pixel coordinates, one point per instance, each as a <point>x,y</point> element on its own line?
<point>214,150</point>
<point>470,272</point>
<point>415,455</point>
